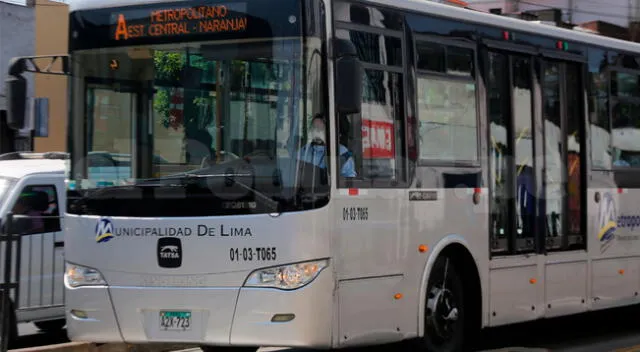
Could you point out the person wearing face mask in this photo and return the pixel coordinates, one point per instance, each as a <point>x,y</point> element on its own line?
<point>315,151</point>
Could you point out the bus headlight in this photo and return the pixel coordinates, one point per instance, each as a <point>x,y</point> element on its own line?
<point>77,275</point>
<point>287,277</point>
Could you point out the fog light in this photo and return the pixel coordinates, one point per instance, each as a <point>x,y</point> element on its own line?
<point>282,318</point>
<point>81,314</point>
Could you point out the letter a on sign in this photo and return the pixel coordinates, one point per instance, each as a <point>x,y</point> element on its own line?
<point>121,30</point>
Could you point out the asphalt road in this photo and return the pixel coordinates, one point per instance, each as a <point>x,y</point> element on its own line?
<point>30,336</point>
<point>616,330</point>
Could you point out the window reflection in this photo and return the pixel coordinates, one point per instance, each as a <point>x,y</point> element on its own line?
<point>445,59</point>
<point>447,113</point>
<point>198,121</point>
<point>377,49</point>
<point>367,15</point>
<point>521,98</point>
<point>574,150</point>
<point>442,27</point>
<point>624,85</point>
<point>500,151</point>
<point>375,135</point>
<point>625,120</point>
<point>600,135</point>
<point>381,112</point>
<point>459,61</point>
<point>446,103</point>
<point>554,182</point>
<point>109,135</point>
<point>431,57</point>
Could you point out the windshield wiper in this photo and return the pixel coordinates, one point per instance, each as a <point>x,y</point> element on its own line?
<point>189,178</point>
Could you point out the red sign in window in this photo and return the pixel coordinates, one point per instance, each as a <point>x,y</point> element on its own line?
<point>377,139</point>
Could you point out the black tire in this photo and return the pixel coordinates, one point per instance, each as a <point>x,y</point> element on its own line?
<point>228,349</point>
<point>50,325</point>
<point>444,334</point>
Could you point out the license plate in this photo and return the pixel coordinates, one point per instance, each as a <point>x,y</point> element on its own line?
<point>173,320</point>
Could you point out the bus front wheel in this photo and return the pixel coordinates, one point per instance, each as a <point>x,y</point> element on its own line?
<point>444,309</point>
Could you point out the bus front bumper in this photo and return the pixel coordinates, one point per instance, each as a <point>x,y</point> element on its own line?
<point>223,316</point>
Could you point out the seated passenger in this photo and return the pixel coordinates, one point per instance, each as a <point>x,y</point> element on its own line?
<point>315,151</point>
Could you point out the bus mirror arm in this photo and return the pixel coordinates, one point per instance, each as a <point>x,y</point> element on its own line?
<point>16,84</point>
<point>349,74</point>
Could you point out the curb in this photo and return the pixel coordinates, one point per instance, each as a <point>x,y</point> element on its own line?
<point>519,349</point>
<point>61,347</point>
<point>108,347</point>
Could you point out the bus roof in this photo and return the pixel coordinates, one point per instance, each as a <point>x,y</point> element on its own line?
<point>75,5</point>
<point>436,9</point>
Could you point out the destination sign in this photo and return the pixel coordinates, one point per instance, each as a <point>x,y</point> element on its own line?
<point>179,21</point>
<point>184,21</point>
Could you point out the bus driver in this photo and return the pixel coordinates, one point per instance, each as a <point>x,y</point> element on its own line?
<point>314,152</point>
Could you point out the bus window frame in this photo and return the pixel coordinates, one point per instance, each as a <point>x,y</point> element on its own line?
<point>611,72</point>
<point>402,172</point>
<point>476,73</point>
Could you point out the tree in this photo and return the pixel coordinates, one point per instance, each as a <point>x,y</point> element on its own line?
<point>168,67</point>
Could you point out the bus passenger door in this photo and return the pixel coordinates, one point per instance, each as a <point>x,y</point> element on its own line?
<point>562,207</point>
<point>564,154</point>
<point>514,177</point>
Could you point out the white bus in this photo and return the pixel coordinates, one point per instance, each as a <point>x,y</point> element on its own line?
<point>468,176</point>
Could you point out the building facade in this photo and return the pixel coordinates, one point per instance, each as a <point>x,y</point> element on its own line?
<point>51,38</point>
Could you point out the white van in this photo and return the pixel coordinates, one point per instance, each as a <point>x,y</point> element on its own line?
<point>35,183</point>
<point>37,180</point>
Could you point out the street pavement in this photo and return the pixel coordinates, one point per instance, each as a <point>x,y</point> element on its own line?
<point>30,336</point>
<point>610,331</point>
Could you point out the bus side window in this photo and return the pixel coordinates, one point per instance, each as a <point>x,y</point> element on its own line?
<point>625,109</point>
<point>374,137</point>
<point>447,104</point>
<point>601,154</point>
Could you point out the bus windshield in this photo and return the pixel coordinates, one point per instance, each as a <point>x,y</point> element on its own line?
<point>197,128</point>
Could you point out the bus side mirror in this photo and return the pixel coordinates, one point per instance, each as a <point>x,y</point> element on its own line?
<point>348,78</point>
<point>16,101</point>
<point>16,88</point>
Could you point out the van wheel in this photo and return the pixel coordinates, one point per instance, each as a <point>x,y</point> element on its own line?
<point>50,325</point>
<point>228,349</point>
<point>444,309</point>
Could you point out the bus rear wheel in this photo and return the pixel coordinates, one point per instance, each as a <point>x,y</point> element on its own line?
<point>444,309</point>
